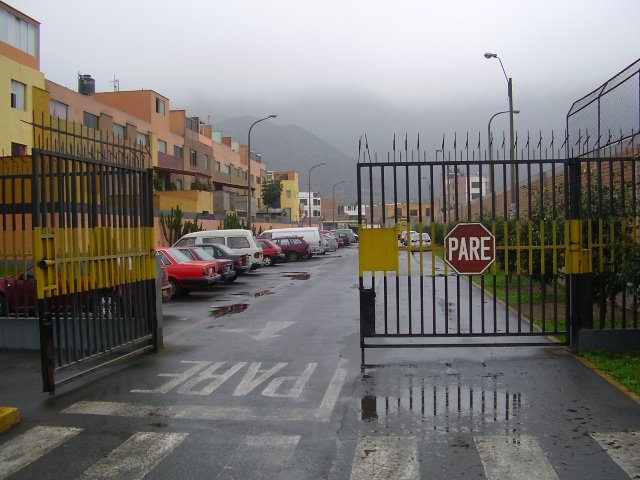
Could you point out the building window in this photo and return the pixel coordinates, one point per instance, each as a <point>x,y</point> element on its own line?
<point>89,120</point>
<point>177,151</point>
<point>206,162</point>
<point>119,131</point>
<point>59,110</point>
<point>192,124</point>
<point>142,139</point>
<point>475,184</point>
<point>160,106</point>
<point>18,150</point>
<point>227,169</point>
<point>303,201</point>
<point>413,213</point>
<point>288,193</point>
<point>178,184</point>
<point>193,157</point>
<point>216,166</point>
<point>18,95</point>
<point>19,33</point>
<point>162,146</point>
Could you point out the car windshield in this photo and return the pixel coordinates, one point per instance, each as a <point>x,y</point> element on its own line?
<point>226,249</point>
<point>203,254</point>
<point>178,256</point>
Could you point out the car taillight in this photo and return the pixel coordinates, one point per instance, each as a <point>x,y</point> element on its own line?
<point>257,255</point>
<point>240,261</point>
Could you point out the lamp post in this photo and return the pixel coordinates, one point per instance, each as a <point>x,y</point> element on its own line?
<point>333,196</point>
<point>309,204</point>
<point>249,169</point>
<point>489,131</point>
<point>489,56</point>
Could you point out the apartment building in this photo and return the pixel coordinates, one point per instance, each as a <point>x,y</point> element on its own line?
<point>289,198</point>
<point>20,75</point>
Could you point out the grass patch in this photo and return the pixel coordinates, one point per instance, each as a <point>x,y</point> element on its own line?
<point>623,366</point>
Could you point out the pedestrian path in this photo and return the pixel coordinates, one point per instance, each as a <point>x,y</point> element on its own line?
<point>267,456</point>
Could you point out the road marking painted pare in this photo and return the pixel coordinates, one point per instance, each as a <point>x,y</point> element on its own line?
<point>211,412</point>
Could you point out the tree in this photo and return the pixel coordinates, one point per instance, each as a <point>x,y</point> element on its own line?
<point>173,228</point>
<point>271,190</point>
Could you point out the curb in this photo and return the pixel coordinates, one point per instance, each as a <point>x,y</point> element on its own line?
<point>629,393</point>
<point>8,418</point>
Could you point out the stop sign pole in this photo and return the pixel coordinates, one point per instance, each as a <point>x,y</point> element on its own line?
<point>470,248</point>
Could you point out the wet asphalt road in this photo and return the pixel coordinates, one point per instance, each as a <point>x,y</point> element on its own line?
<point>262,379</point>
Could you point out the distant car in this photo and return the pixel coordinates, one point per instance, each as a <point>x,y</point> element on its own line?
<point>271,253</point>
<point>420,240</point>
<point>329,241</point>
<point>240,260</point>
<point>186,274</point>
<point>294,248</point>
<point>225,266</point>
<point>405,237</point>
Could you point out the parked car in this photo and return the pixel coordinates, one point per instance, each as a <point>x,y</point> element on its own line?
<point>294,248</point>
<point>240,260</point>
<point>420,240</point>
<point>329,241</point>
<point>406,236</point>
<point>186,274</point>
<point>311,235</point>
<point>225,266</point>
<point>238,239</point>
<point>167,288</point>
<point>347,234</point>
<point>271,253</point>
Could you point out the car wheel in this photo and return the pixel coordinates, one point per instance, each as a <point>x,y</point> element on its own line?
<point>4,306</point>
<point>177,289</point>
<point>292,257</point>
<point>231,280</point>
<point>267,261</point>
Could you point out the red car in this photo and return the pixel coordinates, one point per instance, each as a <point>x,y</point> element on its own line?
<point>294,248</point>
<point>271,253</point>
<point>225,266</point>
<point>186,274</point>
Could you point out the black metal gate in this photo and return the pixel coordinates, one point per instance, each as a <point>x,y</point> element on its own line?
<point>564,229</point>
<point>78,249</point>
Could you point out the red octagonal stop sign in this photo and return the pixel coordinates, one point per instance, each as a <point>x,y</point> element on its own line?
<point>469,248</point>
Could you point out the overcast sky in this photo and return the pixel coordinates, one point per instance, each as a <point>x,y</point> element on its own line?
<point>340,68</point>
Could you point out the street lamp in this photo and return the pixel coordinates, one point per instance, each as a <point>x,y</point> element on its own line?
<point>333,196</point>
<point>309,205</point>
<point>489,56</point>
<point>249,169</point>
<point>489,130</point>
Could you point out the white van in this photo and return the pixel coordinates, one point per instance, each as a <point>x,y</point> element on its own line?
<point>238,239</point>
<point>311,235</point>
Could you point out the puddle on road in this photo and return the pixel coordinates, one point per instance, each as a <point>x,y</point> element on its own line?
<point>260,293</point>
<point>297,275</point>
<point>452,407</point>
<point>223,310</point>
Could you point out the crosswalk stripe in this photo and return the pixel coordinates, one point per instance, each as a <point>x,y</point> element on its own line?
<point>30,446</point>
<point>506,457</point>
<point>135,457</point>
<point>623,448</point>
<point>261,457</point>
<point>378,458</point>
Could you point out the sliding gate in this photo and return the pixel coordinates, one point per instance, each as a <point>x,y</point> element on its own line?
<point>78,250</point>
<point>563,230</point>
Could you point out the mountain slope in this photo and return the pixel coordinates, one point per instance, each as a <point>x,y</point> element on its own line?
<point>286,148</point>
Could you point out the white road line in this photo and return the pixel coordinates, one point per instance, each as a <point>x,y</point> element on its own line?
<point>30,446</point>
<point>507,457</point>
<point>261,457</point>
<point>136,457</point>
<point>623,448</point>
<point>333,392</point>
<point>379,458</point>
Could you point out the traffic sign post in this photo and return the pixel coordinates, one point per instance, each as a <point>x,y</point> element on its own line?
<point>470,248</point>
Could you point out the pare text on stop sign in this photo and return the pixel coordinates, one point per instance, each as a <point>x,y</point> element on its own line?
<point>470,248</point>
